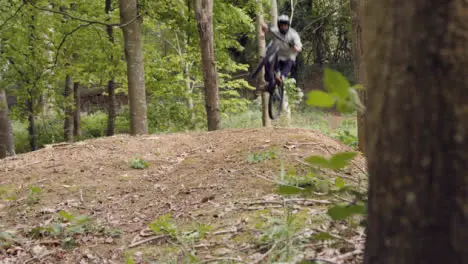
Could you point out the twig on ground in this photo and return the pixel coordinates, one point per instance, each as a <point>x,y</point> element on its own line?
<point>301,201</point>
<point>222,232</point>
<point>147,240</point>
<point>336,236</point>
<point>321,260</point>
<point>81,196</point>
<point>359,168</point>
<point>39,257</point>
<point>270,180</point>
<point>212,259</point>
<point>348,255</point>
<point>253,208</point>
<point>266,253</point>
<point>343,199</point>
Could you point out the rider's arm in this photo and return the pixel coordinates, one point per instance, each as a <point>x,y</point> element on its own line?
<point>297,42</point>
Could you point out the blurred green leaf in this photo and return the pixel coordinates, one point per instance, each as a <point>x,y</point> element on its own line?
<point>320,99</point>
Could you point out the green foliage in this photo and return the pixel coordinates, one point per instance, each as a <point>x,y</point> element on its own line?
<point>50,129</point>
<point>139,163</point>
<point>261,156</point>
<point>129,260</point>
<point>164,225</point>
<point>339,93</point>
<point>7,240</point>
<point>66,230</point>
<point>347,138</point>
<point>341,212</point>
<point>33,194</point>
<point>336,162</point>
<point>320,99</point>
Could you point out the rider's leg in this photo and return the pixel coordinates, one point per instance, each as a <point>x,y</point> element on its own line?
<point>269,77</point>
<point>286,67</point>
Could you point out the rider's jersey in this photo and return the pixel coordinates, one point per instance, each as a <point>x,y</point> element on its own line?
<point>285,51</point>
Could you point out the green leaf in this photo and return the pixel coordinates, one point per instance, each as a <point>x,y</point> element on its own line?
<point>56,229</point>
<point>5,236</point>
<point>340,183</point>
<point>341,212</point>
<point>358,87</point>
<point>341,160</point>
<point>35,189</point>
<point>323,236</point>
<point>336,83</point>
<point>320,99</point>
<point>288,190</point>
<point>66,215</point>
<point>81,219</point>
<point>318,161</point>
<point>345,106</point>
<point>129,260</point>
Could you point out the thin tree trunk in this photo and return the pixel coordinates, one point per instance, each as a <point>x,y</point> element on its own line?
<point>7,147</point>
<point>204,14</point>
<point>266,121</point>
<point>285,107</point>
<point>68,110</point>
<point>77,111</point>
<point>359,66</point>
<point>111,104</point>
<point>31,121</point>
<point>111,113</point>
<point>274,13</point>
<point>190,104</point>
<point>417,131</point>
<point>135,65</point>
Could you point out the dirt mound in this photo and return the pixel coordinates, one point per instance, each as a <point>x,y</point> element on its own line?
<point>88,202</point>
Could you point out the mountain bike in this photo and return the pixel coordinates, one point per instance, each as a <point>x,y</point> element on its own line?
<point>277,91</point>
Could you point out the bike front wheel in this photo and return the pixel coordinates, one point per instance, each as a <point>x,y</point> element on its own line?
<point>276,100</point>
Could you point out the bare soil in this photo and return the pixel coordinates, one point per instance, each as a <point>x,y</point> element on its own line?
<point>202,178</point>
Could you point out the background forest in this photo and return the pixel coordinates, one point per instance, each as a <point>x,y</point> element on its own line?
<point>65,77</point>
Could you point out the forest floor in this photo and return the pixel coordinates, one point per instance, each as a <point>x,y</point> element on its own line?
<point>207,197</point>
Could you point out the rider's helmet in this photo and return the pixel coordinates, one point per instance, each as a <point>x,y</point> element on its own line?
<point>283,20</point>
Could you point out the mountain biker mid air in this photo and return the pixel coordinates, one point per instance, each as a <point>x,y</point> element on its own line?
<point>287,52</point>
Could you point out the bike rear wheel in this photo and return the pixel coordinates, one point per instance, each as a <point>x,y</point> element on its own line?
<point>276,100</point>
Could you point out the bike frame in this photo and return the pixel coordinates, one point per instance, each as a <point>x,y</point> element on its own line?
<point>271,52</point>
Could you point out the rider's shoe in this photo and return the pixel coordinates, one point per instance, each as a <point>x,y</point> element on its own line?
<point>278,77</point>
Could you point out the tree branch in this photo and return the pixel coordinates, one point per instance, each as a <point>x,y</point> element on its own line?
<point>65,38</point>
<point>85,20</point>
<point>69,16</point>
<point>324,16</point>
<point>11,17</point>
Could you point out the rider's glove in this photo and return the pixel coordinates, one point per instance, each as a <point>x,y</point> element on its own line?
<point>291,44</point>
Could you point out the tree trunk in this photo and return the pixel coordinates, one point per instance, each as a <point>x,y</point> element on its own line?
<point>417,131</point>
<point>135,66</point>
<point>204,15</point>
<point>77,111</point>
<point>7,148</point>
<point>359,66</point>
<point>111,104</point>
<point>266,121</point>
<point>68,110</point>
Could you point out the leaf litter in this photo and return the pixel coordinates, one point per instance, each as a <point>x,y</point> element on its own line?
<point>221,207</point>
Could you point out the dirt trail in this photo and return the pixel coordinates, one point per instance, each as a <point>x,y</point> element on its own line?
<point>196,177</point>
